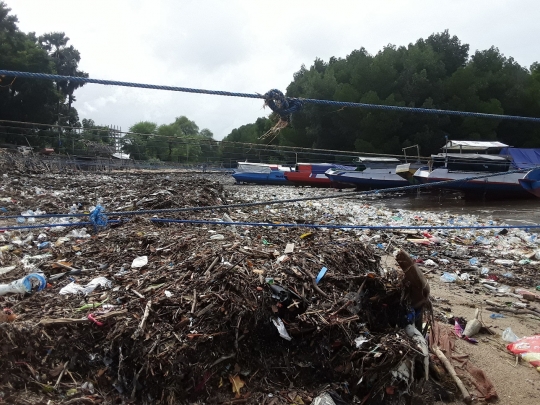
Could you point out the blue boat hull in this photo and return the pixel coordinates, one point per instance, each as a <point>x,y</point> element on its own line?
<point>275,178</point>
<point>367,184</point>
<point>531,182</point>
<point>480,188</point>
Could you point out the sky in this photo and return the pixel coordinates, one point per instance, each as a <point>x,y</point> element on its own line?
<point>248,46</point>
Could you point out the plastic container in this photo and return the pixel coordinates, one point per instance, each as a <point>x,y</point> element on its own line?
<point>29,283</point>
<point>509,336</point>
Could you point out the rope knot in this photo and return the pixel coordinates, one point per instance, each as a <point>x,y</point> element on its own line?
<point>282,105</point>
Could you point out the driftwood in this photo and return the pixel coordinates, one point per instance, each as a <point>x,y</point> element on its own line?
<point>438,352</point>
<point>70,321</point>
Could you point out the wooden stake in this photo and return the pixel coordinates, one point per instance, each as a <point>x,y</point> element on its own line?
<point>466,396</point>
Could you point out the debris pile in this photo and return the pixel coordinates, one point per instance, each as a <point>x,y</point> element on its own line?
<point>168,313</point>
<point>203,313</point>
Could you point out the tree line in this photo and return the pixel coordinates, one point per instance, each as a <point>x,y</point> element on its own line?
<point>437,72</point>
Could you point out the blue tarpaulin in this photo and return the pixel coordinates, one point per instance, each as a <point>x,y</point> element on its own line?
<point>523,158</point>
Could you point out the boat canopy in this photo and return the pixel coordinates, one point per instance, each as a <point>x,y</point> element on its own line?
<point>470,156</point>
<point>248,167</point>
<point>523,158</point>
<point>375,159</point>
<point>473,145</point>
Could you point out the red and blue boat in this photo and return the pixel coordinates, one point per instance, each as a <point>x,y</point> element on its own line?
<point>313,174</point>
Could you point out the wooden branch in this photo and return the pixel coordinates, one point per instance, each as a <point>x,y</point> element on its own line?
<point>68,321</point>
<point>140,329</point>
<point>207,272</point>
<point>466,396</point>
<point>194,305</point>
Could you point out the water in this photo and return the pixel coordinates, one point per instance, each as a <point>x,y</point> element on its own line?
<point>512,212</point>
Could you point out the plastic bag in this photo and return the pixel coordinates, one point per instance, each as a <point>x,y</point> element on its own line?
<point>139,262</point>
<point>509,336</point>
<point>74,288</point>
<point>528,348</point>
<point>448,277</point>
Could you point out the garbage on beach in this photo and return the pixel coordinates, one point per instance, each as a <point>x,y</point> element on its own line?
<point>74,288</point>
<point>528,348</point>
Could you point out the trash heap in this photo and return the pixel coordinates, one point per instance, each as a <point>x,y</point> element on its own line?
<point>174,314</point>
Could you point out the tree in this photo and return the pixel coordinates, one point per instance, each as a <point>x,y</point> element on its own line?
<point>432,73</point>
<point>66,61</point>
<point>24,99</point>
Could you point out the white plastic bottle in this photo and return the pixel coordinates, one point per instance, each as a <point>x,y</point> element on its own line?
<point>28,283</point>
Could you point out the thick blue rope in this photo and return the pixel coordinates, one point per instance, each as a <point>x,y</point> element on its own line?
<point>282,105</point>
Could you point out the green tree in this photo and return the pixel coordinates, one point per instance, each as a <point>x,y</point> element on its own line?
<point>24,99</point>
<point>65,61</point>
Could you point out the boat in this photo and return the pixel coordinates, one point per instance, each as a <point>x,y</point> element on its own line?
<point>261,173</point>
<point>370,173</point>
<point>313,174</point>
<point>531,182</point>
<point>495,157</point>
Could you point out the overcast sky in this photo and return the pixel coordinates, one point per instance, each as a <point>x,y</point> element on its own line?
<point>248,46</point>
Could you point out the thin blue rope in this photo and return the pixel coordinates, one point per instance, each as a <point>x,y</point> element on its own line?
<point>283,105</point>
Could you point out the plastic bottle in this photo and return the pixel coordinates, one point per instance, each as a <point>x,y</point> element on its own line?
<point>26,284</point>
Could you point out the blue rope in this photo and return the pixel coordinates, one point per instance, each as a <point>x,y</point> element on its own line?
<point>284,106</point>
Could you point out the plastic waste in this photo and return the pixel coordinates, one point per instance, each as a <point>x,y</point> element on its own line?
<point>74,288</point>
<point>431,263</point>
<point>323,399</point>
<point>473,261</point>
<point>484,270</point>
<point>504,262</point>
<point>448,277</point>
<point>320,275</point>
<point>281,328</point>
<point>472,327</point>
<point>528,348</point>
<point>4,270</point>
<point>44,245</point>
<point>419,339</point>
<point>29,283</point>
<point>217,236</point>
<point>78,233</point>
<point>503,289</point>
<point>359,341</point>
<point>496,316</point>
<point>139,262</point>
<point>509,336</point>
